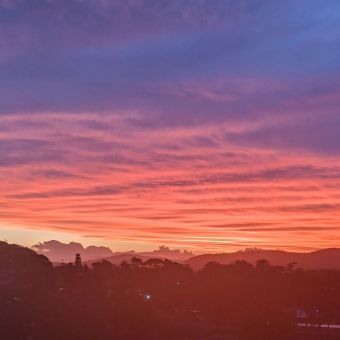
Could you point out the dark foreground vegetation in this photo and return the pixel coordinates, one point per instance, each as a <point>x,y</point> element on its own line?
<point>162,300</point>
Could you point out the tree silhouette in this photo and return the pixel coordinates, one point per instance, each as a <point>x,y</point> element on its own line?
<point>162,300</point>
<point>77,261</point>
<point>136,261</point>
<point>154,263</point>
<point>262,264</point>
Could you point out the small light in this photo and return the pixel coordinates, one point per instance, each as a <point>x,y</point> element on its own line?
<point>147,296</point>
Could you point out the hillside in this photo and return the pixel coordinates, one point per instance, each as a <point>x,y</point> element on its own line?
<point>320,259</point>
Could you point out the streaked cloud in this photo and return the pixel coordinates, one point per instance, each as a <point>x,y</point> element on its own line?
<point>189,123</point>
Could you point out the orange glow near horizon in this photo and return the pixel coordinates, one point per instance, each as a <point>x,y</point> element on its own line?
<point>116,188</point>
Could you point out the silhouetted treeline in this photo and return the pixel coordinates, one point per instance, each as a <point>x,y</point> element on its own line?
<point>159,299</point>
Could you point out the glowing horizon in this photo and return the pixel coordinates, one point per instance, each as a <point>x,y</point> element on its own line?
<point>201,126</point>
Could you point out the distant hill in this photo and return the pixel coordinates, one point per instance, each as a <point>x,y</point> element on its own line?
<point>320,259</point>
<point>162,253</point>
<point>117,259</point>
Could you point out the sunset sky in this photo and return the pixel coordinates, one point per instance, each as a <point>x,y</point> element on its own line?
<point>209,125</point>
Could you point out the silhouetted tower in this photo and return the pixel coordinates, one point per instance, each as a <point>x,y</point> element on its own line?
<point>77,261</point>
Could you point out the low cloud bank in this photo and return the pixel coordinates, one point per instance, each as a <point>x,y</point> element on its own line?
<point>57,251</point>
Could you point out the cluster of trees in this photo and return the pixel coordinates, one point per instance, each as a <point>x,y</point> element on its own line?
<point>159,299</point>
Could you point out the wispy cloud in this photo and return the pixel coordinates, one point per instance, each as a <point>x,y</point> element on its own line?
<point>198,123</point>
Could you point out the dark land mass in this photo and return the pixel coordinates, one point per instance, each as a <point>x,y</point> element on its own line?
<point>159,299</point>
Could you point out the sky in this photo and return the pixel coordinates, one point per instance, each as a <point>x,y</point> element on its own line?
<point>206,125</point>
